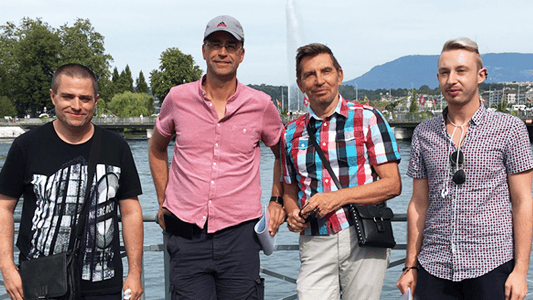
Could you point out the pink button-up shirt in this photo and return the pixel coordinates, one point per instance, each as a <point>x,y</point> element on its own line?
<point>214,173</point>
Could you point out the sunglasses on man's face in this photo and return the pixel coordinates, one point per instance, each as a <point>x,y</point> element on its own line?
<point>457,160</point>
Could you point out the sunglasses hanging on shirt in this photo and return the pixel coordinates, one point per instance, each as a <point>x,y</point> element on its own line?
<point>457,163</point>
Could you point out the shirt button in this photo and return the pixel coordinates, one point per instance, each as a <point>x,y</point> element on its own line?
<point>210,104</point>
<point>327,180</point>
<point>218,124</point>
<point>216,144</point>
<point>203,217</point>
<point>214,164</point>
<point>303,145</point>
<point>325,124</point>
<point>209,201</point>
<point>212,182</point>
<point>324,144</point>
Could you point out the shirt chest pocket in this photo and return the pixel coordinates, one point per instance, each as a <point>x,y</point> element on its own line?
<point>305,154</point>
<point>242,139</point>
<point>350,148</point>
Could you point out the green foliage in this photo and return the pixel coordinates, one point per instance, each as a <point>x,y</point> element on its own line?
<point>130,104</point>
<point>175,68</point>
<point>35,55</point>
<point>274,92</point>
<point>140,84</point>
<point>83,45</point>
<point>127,76</point>
<point>413,107</point>
<point>115,76</point>
<point>123,83</point>
<point>100,107</point>
<point>349,92</point>
<point>119,83</point>
<point>31,52</point>
<point>391,106</point>
<point>502,107</point>
<point>7,108</point>
<point>105,89</point>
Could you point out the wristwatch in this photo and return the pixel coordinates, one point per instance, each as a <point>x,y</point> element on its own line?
<point>277,199</point>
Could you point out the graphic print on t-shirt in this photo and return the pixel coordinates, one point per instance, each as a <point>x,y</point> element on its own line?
<point>60,199</point>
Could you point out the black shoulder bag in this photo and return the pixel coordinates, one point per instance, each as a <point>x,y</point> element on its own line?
<point>58,276</point>
<point>372,222</point>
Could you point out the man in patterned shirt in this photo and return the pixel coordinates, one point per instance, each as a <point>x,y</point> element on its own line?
<point>360,147</point>
<point>470,216</point>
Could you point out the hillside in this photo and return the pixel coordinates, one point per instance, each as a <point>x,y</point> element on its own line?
<point>417,70</point>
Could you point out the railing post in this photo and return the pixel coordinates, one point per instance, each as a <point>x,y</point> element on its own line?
<point>167,265</point>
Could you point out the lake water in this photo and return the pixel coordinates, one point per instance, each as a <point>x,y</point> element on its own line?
<point>283,262</point>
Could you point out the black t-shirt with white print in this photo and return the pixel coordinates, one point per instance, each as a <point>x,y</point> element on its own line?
<point>52,174</point>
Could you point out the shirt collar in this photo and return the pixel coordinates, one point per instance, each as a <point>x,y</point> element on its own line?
<point>340,109</point>
<point>476,119</point>
<point>203,94</point>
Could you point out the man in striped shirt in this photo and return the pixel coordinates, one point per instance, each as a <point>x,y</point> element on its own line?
<point>360,146</point>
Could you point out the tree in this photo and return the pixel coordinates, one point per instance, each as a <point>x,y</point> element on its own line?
<point>6,107</point>
<point>413,108</point>
<point>8,40</point>
<point>122,84</point>
<point>130,104</point>
<point>175,68</point>
<point>35,51</point>
<point>115,76</point>
<point>83,45</point>
<point>100,107</point>
<point>128,78</point>
<point>140,84</point>
<point>31,52</point>
<point>502,107</point>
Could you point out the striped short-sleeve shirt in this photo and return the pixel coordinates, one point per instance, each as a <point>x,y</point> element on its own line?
<point>354,138</point>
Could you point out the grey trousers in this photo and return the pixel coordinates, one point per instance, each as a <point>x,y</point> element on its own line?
<point>335,264</point>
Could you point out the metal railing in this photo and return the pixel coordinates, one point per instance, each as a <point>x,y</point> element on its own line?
<point>162,248</point>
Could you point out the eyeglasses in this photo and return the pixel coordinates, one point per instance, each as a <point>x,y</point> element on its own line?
<point>230,47</point>
<point>457,163</point>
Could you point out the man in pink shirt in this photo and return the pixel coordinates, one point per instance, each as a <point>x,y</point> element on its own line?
<point>210,200</point>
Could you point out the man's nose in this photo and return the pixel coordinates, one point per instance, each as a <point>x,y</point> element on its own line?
<point>319,79</point>
<point>75,103</point>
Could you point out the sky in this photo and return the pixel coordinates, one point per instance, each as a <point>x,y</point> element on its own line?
<point>361,34</point>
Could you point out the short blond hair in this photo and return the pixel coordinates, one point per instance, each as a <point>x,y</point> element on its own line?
<point>463,43</point>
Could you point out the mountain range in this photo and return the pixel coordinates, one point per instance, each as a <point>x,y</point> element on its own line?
<point>414,71</point>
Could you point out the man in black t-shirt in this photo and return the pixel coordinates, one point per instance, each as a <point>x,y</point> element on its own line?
<point>48,165</point>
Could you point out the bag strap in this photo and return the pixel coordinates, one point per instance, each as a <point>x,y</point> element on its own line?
<point>325,162</point>
<point>91,169</point>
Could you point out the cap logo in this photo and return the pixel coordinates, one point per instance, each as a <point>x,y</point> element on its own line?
<point>221,24</point>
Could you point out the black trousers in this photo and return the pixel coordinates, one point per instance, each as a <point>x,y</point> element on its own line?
<point>490,286</point>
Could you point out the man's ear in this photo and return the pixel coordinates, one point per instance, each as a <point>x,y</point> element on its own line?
<point>482,76</point>
<point>52,94</point>
<point>299,83</point>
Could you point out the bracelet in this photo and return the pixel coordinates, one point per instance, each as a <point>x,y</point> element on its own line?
<point>277,199</point>
<point>405,269</point>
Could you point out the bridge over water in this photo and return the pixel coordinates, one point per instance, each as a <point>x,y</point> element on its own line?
<point>141,127</point>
